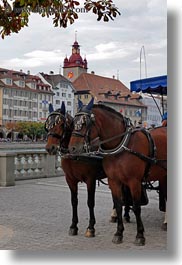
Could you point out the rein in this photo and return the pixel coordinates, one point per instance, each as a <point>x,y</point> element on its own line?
<point>124,141</point>
<point>66,128</point>
<point>122,146</point>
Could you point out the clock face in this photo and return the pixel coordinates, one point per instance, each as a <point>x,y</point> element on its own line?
<point>70,75</point>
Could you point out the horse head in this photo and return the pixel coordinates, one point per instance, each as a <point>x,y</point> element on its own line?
<point>97,127</point>
<point>82,133</point>
<point>56,125</point>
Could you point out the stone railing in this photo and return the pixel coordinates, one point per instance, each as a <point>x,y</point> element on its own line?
<point>28,165</point>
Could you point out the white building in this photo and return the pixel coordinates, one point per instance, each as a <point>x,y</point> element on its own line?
<point>153,114</point>
<point>20,95</point>
<point>63,91</point>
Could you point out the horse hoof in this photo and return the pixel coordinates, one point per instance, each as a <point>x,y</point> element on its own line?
<point>73,231</point>
<point>139,241</point>
<point>117,239</point>
<point>113,219</point>
<point>90,232</point>
<point>164,227</point>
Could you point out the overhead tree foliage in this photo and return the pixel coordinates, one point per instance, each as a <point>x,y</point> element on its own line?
<point>14,14</point>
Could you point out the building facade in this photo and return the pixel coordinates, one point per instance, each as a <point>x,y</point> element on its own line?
<point>21,97</point>
<point>153,114</point>
<point>111,92</point>
<point>63,91</point>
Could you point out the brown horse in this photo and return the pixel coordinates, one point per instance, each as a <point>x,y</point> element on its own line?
<point>131,156</point>
<point>59,126</point>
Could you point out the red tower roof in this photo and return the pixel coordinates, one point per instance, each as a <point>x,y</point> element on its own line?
<point>75,60</point>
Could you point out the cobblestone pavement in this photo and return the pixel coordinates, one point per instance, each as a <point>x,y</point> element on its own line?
<point>36,215</point>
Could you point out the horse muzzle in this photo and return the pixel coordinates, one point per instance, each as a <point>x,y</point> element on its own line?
<point>52,149</point>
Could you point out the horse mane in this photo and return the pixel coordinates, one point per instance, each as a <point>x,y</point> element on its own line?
<point>104,107</point>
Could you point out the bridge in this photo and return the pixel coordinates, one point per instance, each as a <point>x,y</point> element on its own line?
<point>36,210</point>
<point>26,161</point>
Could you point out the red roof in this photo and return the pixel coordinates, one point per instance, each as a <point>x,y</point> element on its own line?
<point>105,89</point>
<point>27,78</point>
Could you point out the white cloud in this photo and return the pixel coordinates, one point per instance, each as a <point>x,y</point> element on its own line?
<point>106,51</point>
<point>107,46</point>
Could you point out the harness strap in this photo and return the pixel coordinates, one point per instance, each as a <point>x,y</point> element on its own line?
<point>120,148</point>
<point>52,134</point>
<point>151,159</point>
<point>143,157</point>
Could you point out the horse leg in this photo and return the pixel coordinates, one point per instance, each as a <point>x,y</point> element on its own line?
<point>126,213</point>
<point>163,201</point>
<point>74,201</point>
<point>113,214</point>
<point>90,232</point>
<point>136,195</point>
<point>164,225</point>
<point>117,199</point>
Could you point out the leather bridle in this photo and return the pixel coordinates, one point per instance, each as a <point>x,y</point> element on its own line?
<point>58,118</point>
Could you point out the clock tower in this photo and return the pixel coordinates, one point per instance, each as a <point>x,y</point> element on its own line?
<point>74,65</point>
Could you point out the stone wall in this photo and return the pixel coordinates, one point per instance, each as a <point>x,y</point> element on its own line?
<point>28,165</point>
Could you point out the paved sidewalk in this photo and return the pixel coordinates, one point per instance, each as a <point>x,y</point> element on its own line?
<point>36,215</point>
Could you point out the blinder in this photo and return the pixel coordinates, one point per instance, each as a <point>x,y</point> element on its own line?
<point>54,119</point>
<point>82,118</point>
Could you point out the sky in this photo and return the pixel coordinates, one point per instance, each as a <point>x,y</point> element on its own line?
<point>111,48</point>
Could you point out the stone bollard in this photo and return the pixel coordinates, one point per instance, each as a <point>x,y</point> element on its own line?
<point>7,168</point>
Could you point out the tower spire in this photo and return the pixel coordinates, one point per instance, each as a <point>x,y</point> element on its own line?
<point>75,35</point>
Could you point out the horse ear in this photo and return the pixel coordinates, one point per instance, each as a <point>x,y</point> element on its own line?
<point>63,108</point>
<point>90,104</point>
<point>80,104</point>
<point>51,109</point>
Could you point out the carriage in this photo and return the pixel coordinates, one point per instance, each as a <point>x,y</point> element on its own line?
<point>130,158</point>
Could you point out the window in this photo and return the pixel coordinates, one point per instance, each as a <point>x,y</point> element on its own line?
<point>8,81</point>
<point>63,94</point>
<point>58,102</point>
<point>33,85</point>
<point>22,83</point>
<point>69,103</point>
<point>5,91</point>
<point>57,94</point>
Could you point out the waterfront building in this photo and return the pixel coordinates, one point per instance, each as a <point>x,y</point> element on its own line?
<point>23,97</point>
<point>153,113</point>
<point>63,90</point>
<point>111,92</point>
